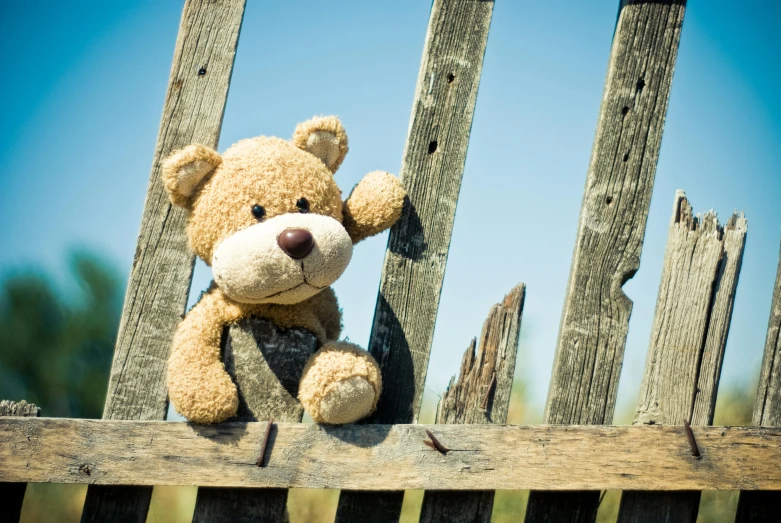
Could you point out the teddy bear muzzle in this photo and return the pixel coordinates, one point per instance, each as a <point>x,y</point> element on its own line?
<point>285,259</point>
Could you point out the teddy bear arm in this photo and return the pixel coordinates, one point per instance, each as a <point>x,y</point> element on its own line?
<point>374,205</point>
<point>325,306</point>
<point>198,385</point>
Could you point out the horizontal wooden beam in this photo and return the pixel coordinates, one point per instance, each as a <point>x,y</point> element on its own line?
<point>383,457</point>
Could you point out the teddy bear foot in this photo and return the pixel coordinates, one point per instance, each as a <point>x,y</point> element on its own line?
<point>347,401</point>
<point>340,384</point>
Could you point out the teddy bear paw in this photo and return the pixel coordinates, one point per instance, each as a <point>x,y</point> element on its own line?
<point>340,384</point>
<point>348,401</point>
<point>209,397</point>
<point>208,408</point>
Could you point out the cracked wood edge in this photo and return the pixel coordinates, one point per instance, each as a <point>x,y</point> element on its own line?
<point>758,507</point>
<point>266,364</point>
<point>693,311</point>
<point>13,493</point>
<point>415,260</point>
<point>611,227</point>
<point>481,395</point>
<point>159,281</point>
<point>382,457</point>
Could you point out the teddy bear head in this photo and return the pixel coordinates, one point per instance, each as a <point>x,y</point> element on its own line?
<point>267,214</point>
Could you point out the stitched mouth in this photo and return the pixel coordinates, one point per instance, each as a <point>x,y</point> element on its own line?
<point>292,289</point>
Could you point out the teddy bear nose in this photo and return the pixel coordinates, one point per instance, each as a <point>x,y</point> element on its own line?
<point>296,243</point>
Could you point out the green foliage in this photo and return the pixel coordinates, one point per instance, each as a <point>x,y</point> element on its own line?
<point>57,346</point>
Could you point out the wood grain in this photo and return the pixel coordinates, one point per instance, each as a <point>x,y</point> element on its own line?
<point>159,281</point>
<point>756,507</point>
<point>266,364</point>
<point>693,312</point>
<point>725,287</point>
<point>388,457</point>
<point>414,268</point>
<point>480,395</point>
<point>431,172</point>
<point>20,409</point>
<point>12,494</point>
<point>611,227</point>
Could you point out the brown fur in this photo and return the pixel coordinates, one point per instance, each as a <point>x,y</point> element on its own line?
<point>273,173</point>
<point>362,216</point>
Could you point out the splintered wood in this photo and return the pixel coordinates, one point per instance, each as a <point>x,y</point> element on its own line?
<point>480,395</point>
<point>693,311</point>
<point>19,409</point>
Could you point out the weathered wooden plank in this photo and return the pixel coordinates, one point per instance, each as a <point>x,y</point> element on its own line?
<point>12,494</point>
<point>389,457</point>
<point>162,267</point>
<point>20,409</point>
<point>431,171</point>
<point>763,506</point>
<point>681,321</point>
<point>432,168</point>
<point>693,311</point>
<point>767,409</point>
<point>611,227</point>
<point>266,364</point>
<point>481,395</point>
<point>725,287</point>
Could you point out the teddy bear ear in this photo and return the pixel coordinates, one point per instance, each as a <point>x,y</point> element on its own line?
<point>324,137</point>
<point>185,169</point>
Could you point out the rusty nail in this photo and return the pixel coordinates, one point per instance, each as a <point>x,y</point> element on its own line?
<point>435,442</point>
<point>484,404</point>
<point>263,445</point>
<point>692,441</point>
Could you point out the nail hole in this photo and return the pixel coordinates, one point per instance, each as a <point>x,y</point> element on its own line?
<point>201,71</point>
<point>640,84</point>
<point>626,157</point>
<point>608,200</point>
<point>624,110</point>
<point>432,147</point>
<point>451,77</point>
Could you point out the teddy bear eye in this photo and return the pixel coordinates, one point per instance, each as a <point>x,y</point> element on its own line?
<point>258,212</point>
<point>303,205</point>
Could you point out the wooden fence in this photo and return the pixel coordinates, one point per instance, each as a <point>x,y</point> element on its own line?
<point>661,462</point>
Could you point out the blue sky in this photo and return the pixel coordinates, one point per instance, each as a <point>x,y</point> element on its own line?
<point>84,84</point>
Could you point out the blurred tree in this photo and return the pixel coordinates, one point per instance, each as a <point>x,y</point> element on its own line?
<point>57,346</point>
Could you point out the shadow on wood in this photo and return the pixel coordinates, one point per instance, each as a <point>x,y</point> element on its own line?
<point>266,364</point>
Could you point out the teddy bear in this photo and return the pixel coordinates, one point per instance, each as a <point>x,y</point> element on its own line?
<point>269,219</point>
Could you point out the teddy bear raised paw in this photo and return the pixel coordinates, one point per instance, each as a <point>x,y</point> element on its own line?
<point>269,219</point>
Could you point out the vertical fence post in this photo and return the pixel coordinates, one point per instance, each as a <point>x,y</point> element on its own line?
<point>620,179</point>
<point>432,168</point>
<point>693,311</point>
<point>13,493</point>
<point>481,395</point>
<point>266,364</point>
<point>159,281</point>
<point>760,506</point>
